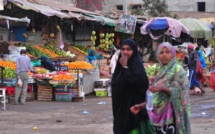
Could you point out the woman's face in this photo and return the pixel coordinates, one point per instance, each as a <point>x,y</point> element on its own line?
<point>126,50</point>
<point>165,56</point>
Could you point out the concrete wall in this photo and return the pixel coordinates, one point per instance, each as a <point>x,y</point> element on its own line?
<point>197,15</point>
<point>36,38</point>
<point>112,3</point>
<point>174,5</point>
<point>190,5</point>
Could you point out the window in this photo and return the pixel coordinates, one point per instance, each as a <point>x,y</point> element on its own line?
<point>201,6</point>
<point>119,7</point>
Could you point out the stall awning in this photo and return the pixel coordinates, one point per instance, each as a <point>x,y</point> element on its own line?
<point>25,19</point>
<point>49,9</point>
<point>104,20</point>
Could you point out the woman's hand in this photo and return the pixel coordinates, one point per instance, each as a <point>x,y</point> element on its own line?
<point>154,89</point>
<point>123,60</point>
<point>136,108</point>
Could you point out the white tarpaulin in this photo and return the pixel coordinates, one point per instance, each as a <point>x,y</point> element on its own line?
<point>25,19</point>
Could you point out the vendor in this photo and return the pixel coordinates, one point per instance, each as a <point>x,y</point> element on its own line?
<point>2,56</point>
<point>91,56</point>
<point>47,63</point>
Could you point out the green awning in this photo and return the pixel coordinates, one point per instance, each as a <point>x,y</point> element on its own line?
<point>107,21</point>
<point>197,28</point>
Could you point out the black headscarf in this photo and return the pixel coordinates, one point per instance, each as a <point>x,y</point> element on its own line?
<point>129,86</point>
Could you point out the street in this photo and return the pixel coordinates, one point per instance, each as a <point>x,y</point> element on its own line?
<point>92,116</point>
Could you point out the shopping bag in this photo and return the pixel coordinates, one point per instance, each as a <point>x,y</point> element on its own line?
<point>19,83</point>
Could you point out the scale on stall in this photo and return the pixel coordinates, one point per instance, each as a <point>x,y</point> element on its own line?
<point>102,87</point>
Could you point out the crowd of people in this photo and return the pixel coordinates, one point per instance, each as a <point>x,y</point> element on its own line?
<point>171,88</point>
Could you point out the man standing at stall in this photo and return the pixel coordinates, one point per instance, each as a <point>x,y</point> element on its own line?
<point>23,64</point>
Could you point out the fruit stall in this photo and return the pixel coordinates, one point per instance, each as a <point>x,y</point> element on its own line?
<point>44,85</point>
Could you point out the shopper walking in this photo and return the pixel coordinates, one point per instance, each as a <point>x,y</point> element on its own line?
<point>129,85</point>
<point>193,67</point>
<point>23,64</point>
<point>170,88</point>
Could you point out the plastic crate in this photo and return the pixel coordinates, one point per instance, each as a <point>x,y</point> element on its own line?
<point>12,90</point>
<point>101,92</point>
<point>63,97</point>
<point>63,89</point>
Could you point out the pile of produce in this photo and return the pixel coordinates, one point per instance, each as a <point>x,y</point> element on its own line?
<point>106,40</point>
<point>42,73</point>
<point>40,70</point>
<point>46,51</point>
<point>152,70</point>
<point>80,48</point>
<point>61,77</point>
<point>93,39</point>
<point>51,46</point>
<point>79,65</point>
<point>9,71</point>
<point>33,51</point>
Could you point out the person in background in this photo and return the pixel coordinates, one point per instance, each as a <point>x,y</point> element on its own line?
<point>23,64</point>
<point>211,58</point>
<point>170,88</point>
<point>129,84</point>
<point>201,57</point>
<point>113,62</point>
<point>47,63</point>
<point>201,47</point>
<point>91,56</point>
<point>193,67</point>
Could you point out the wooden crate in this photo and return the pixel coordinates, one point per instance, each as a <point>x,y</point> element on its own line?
<point>29,97</point>
<point>44,93</point>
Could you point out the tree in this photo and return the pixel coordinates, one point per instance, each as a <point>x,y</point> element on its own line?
<point>90,5</point>
<point>156,8</point>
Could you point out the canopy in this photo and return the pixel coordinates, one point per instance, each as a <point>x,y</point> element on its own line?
<point>197,28</point>
<point>163,25</point>
<point>158,24</point>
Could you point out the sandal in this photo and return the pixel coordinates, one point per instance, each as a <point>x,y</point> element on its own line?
<point>202,92</point>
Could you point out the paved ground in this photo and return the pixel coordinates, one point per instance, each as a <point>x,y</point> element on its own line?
<point>68,118</point>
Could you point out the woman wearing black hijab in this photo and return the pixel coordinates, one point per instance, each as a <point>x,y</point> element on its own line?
<point>129,85</point>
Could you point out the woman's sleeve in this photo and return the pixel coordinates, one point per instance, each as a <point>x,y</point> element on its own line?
<point>136,74</point>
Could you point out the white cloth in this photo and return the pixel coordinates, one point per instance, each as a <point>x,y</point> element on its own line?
<point>114,61</point>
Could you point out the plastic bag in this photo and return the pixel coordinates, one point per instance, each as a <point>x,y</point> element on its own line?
<point>19,83</point>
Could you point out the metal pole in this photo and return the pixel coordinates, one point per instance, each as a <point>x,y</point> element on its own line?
<point>126,7</point>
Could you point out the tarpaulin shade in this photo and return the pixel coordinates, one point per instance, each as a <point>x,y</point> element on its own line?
<point>163,25</point>
<point>158,24</point>
<point>197,28</point>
